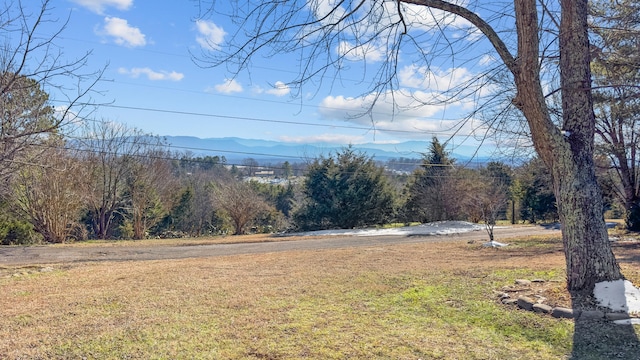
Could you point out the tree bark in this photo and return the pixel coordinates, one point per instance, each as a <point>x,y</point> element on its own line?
<point>568,153</point>
<point>588,252</point>
<point>567,157</point>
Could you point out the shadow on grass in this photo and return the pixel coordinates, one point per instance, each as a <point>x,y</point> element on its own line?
<point>629,252</point>
<point>598,338</point>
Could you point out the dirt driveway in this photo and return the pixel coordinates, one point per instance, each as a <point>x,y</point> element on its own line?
<point>30,255</point>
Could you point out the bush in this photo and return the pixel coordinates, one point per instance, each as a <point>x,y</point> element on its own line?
<point>269,222</point>
<point>124,231</point>
<point>633,218</point>
<point>14,232</point>
<point>345,191</point>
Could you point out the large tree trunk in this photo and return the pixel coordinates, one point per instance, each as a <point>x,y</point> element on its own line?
<point>588,251</point>
<point>568,152</point>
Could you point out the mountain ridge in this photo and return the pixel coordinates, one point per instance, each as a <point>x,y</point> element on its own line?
<point>235,148</point>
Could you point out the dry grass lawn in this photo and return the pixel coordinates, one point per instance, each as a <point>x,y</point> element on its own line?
<point>418,301</point>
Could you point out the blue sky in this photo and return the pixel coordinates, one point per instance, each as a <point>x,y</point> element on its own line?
<point>152,83</point>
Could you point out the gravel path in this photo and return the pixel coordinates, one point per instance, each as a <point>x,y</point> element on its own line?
<point>30,255</point>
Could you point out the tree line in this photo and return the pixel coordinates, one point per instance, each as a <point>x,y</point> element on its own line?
<point>114,182</point>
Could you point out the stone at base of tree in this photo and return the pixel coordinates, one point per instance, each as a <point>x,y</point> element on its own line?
<point>630,321</point>
<point>523,282</point>
<point>592,315</point>
<point>508,301</point>
<point>617,316</point>
<point>526,303</point>
<point>538,306</point>
<point>542,308</point>
<point>564,313</point>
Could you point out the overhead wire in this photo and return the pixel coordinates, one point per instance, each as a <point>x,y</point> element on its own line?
<point>257,119</point>
<point>261,167</point>
<point>370,128</point>
<point>202,160</point>
<point>198,160</point>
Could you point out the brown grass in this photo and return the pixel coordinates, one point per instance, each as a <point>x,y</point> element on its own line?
<point>205,240</point>
<point>397,302</point>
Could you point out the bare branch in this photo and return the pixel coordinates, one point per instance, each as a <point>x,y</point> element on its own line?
<point>478,22</point>
<point>33,74</point>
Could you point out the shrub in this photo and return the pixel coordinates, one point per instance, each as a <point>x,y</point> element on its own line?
<point>14,232</point>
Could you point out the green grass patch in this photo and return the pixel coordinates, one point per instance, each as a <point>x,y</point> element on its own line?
<point>537,243</point>
<point>372,315</point>
<point>397,225</point>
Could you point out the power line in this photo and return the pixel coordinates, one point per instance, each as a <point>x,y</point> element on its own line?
<point>169,146</point>
<point>246,118</point>
<point>201,160</point>
<point>444,133</point>
<point>249,153</point>
<point>178,112</point>
<point>247,98</point>
<point>266,155</point>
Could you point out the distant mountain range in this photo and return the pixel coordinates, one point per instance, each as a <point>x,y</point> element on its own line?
<point>266,151</point>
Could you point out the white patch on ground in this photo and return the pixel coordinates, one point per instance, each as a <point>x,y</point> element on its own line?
<point>494,244</point>
<point>435,228</point>
<point>618,295</point>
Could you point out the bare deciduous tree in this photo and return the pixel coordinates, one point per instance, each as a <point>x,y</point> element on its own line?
<point>41,91</point>
<point>51,196</point>
<point>149,184</point>
<point>109,151</point>
<point>485,199</point>
<point>199,218</point>
<point>327,34</point>
<point>240,201</point>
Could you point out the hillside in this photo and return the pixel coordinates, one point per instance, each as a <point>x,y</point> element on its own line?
<point>265,151</point>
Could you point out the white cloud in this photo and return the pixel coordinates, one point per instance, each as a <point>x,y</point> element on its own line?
<point>487,59</point>
<point>98,6</point>
<point>418,17</point>
<point>211,35</point>
<point>327,10</point>
<point>257,89</point>
<point>151,74</point>
<point>279,89</point>
<point>67,116</point>
<point>123,33</point>
<point>228,86</point>
<point>433,79</point>
<point>403,113</point>
<point>368,52</point>
<point>379,106</point>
